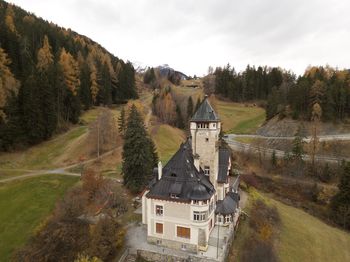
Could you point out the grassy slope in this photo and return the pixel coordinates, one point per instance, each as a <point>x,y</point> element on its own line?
<point>306,238</point>
<point>302,237</point>
<point>24,204</point>
<point>167,140</point>
<point>52,153</point>
<point>238,118</point>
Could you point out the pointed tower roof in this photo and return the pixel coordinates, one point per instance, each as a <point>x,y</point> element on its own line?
<point>205,112</point>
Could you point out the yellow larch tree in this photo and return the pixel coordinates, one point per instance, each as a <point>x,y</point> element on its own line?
<point>8,83</point>
<point>45,57</point>
<point>70,71</point>
<point>9,19</point>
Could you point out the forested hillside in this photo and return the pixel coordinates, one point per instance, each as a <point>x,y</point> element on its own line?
<point>49,74</point>
<point>285,93</point>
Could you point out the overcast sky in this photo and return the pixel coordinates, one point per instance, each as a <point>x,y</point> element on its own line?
<point>191,35</point>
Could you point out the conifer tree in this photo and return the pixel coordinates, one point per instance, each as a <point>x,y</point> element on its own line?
<point>70,82</point>
<point>138,160</point>
<point>154,154</point>
<point>179,119</point>
<point>189,108</point>
<point>121,122</point>
<point>8,84</point>
<point>340,203</point>
<point>197,104</point>
<point>274,158</point>
<point>45,57</point>
<point>298,145</point>
<point>70,71</point>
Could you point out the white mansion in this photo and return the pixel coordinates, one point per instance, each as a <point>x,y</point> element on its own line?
<point>192,193</point>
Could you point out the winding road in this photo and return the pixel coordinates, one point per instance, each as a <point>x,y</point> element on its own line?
<point>244,147</point>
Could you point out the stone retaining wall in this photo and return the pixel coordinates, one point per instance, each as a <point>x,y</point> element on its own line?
<point>172,244</point>
<point>156,257</point>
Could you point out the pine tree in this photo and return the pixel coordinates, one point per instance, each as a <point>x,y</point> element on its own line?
<point>197,104</point>
<point>154,154</point>
<point>138,159</point>
<point>189,108</point>
<point>315,117</point>
<point>340,204</point>
<point>298,145</point>
<point>274,158</point>
<point>45,85</point>
<point>179,119</point>
<point>121,122</point>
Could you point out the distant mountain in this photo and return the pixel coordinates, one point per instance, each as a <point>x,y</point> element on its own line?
<point>165,70</point>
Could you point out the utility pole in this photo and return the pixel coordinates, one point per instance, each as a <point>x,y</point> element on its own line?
<point>98,137</point>
<point>217,245</point>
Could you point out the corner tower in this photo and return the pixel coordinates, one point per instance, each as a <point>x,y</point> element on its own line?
<point>205,128</point>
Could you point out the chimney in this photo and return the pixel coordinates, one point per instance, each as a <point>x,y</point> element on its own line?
<point>160,170</point>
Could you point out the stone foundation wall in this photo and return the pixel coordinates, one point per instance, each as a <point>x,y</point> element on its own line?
<point>172,244</point>
<point>156,257</point>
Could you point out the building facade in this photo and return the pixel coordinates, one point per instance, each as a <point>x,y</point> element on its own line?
<point>192,192</point>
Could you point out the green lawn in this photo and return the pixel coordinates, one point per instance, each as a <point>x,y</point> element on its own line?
<point>238,118</point>
<point>167,140</point>
<point>24,204</point>
<point>302,237</point>
<point>42,156</point>
<point>306,238</point>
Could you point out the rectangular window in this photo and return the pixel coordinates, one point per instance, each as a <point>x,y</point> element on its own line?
<point>228,219</point>
<point>159,228</point>
<point>159,210</point>
<point>207,170</point>
<point>183,232</point>
<point>200,216</point>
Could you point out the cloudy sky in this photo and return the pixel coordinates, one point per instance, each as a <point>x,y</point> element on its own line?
<point>190,35</point>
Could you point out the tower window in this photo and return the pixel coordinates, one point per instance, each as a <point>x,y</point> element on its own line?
<point>206,139</point>
<point>207,170</point>
<point>203,125</point>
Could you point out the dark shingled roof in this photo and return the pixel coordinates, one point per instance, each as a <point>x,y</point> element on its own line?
<point>205,112</point>
<point>224,157</point>
<point>228,205</point>
<point>181,178</point>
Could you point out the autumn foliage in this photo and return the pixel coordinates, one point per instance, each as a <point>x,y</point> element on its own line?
<point>83,222</point>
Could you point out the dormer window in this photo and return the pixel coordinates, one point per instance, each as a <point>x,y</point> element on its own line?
<point>173,175</point>
<point>174,196</point>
